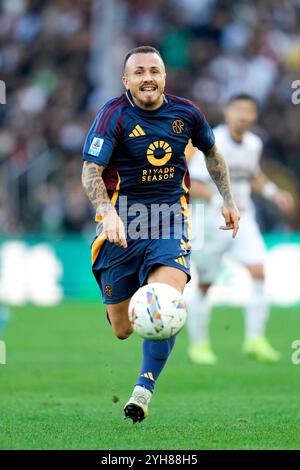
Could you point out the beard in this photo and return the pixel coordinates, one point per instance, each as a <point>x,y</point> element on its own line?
<point>148,100</point>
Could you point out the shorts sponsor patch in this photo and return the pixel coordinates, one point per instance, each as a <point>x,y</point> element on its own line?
<point>96,146</point>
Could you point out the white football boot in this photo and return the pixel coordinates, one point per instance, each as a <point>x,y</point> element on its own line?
<point>137,406</point>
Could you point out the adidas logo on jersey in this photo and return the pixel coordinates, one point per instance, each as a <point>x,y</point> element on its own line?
<point>137,131</point>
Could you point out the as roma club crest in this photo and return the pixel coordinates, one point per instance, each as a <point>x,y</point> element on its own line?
<point>108,290</point>
<point>178,126</point>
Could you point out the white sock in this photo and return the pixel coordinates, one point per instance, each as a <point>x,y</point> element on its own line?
<point>198,316</point>
<point>257,311</point>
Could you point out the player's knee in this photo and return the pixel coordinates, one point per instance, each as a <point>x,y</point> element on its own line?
<point>168,275</point>
<point>204,287</point>
<point>123,336</point>
<point>257,272</point>
<point>123,332</point>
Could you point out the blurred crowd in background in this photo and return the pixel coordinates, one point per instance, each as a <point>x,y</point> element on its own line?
<point>49,61</point>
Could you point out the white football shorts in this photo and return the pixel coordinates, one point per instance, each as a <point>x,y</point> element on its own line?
<point>247,248</point>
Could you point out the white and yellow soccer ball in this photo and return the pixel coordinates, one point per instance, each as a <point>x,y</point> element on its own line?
<point>157,311</point>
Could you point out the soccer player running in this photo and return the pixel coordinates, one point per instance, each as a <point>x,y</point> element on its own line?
<point>242,150</point>
<point>135,149</point>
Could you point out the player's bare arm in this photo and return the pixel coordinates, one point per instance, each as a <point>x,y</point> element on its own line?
<point>283,199</point>
<point>96,191</point>
<point>218,171</point>
<point>95,188</point>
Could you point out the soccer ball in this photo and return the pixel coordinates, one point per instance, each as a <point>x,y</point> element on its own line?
<point>157,311</point>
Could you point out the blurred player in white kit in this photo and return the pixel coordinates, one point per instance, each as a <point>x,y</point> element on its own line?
<point>242,151</point>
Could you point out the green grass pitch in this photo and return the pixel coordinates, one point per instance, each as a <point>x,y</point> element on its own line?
<point>67,378</point>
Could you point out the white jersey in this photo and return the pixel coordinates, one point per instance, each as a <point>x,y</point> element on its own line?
<point>243,162</point>
<point>248,248</point>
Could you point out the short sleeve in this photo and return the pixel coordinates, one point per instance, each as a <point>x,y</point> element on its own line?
<point>103,136</point>
<point>202,136</point>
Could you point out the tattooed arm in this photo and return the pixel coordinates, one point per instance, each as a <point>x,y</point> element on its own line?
<point>219,173</point>
<point>96,191</point>
<point>95,188</point>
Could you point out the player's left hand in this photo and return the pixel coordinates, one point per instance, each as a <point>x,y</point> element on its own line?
<point>284,200</point>
<point>231,216</point>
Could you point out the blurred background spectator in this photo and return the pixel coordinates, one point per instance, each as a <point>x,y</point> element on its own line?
<point>61,59</point>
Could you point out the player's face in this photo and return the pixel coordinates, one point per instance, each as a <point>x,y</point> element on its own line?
<point>145,77</point>
<point>240,115</point>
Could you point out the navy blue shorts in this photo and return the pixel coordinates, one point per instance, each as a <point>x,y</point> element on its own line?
<point>121,271</point>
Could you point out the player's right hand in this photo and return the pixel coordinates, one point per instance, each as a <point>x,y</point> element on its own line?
<point>232,217</point>
<point>113,228</point>
<point>284,200</point>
